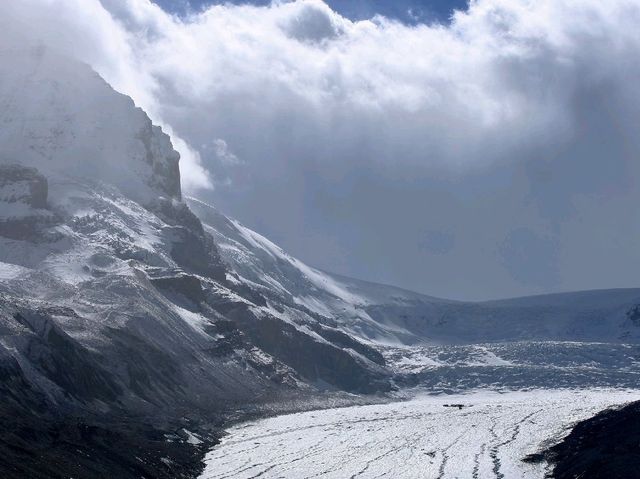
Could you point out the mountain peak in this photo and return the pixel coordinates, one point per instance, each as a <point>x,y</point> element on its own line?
<point>61,117</point>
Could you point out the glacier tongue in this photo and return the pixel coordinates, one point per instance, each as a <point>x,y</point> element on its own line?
<point>487,436</point>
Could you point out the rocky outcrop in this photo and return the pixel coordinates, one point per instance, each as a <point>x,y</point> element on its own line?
<point>633,314</point>
<point>163,159</point>
<point>602,447</point>
<point>191,247</point>
<point>186,285</point>
<point>23,202</point>
<point>20,184</point>
<point>75,370</point>
<point>330,361</point>
<point>62,118</point>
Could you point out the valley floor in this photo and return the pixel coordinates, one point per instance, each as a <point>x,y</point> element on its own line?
<point>426,437</point>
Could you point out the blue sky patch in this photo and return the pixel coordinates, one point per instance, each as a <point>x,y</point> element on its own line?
<point>407,11</point>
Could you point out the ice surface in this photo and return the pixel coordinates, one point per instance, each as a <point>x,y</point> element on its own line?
<point>423,438</point>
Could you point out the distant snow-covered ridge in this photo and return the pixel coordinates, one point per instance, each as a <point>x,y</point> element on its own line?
<point>389,315</point>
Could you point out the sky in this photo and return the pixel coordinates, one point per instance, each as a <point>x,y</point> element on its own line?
<point>407,11</point>
<point>472,152</point>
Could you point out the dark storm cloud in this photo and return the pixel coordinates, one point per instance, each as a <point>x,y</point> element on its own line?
<point>494,156</point>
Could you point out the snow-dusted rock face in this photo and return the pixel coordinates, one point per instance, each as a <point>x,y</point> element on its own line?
<point>23,202</point>
<point>19,184</point>
<point>60,117</point>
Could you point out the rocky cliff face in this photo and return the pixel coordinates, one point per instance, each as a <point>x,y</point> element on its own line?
<point>19,184</point>
<point>23,202</point>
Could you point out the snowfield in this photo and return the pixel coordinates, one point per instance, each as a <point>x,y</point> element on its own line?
<point>427,437</point>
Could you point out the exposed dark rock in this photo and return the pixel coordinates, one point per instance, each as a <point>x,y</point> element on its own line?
<point>148,371</point>
<point>74,369</point>
<point>634,315</point>
<point>314,360</point>
<point>24,190</point>
<point>15,389</point>
<point>606,446</point>
<point>196,253</point>
<point>94,446</point>
<point>248,293</point>
<point>21,184</point>
<point>187,285</point>
<point>25,227</point>
<point>343,340</point>
<point>192,248</point>
<point>176,213</point>
<point>166,172</point>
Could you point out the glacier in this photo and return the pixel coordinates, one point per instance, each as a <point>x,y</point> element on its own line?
<point>485,435</point>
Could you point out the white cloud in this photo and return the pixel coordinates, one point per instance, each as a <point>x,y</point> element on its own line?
<point>224,154</point>
<point>502,121</point>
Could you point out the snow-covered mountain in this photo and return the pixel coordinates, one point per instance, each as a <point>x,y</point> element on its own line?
<point>388,315</point>
<point>62,118</point>
<point>114,301</point>
<point>96,231</point>
<point>118,299</point>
